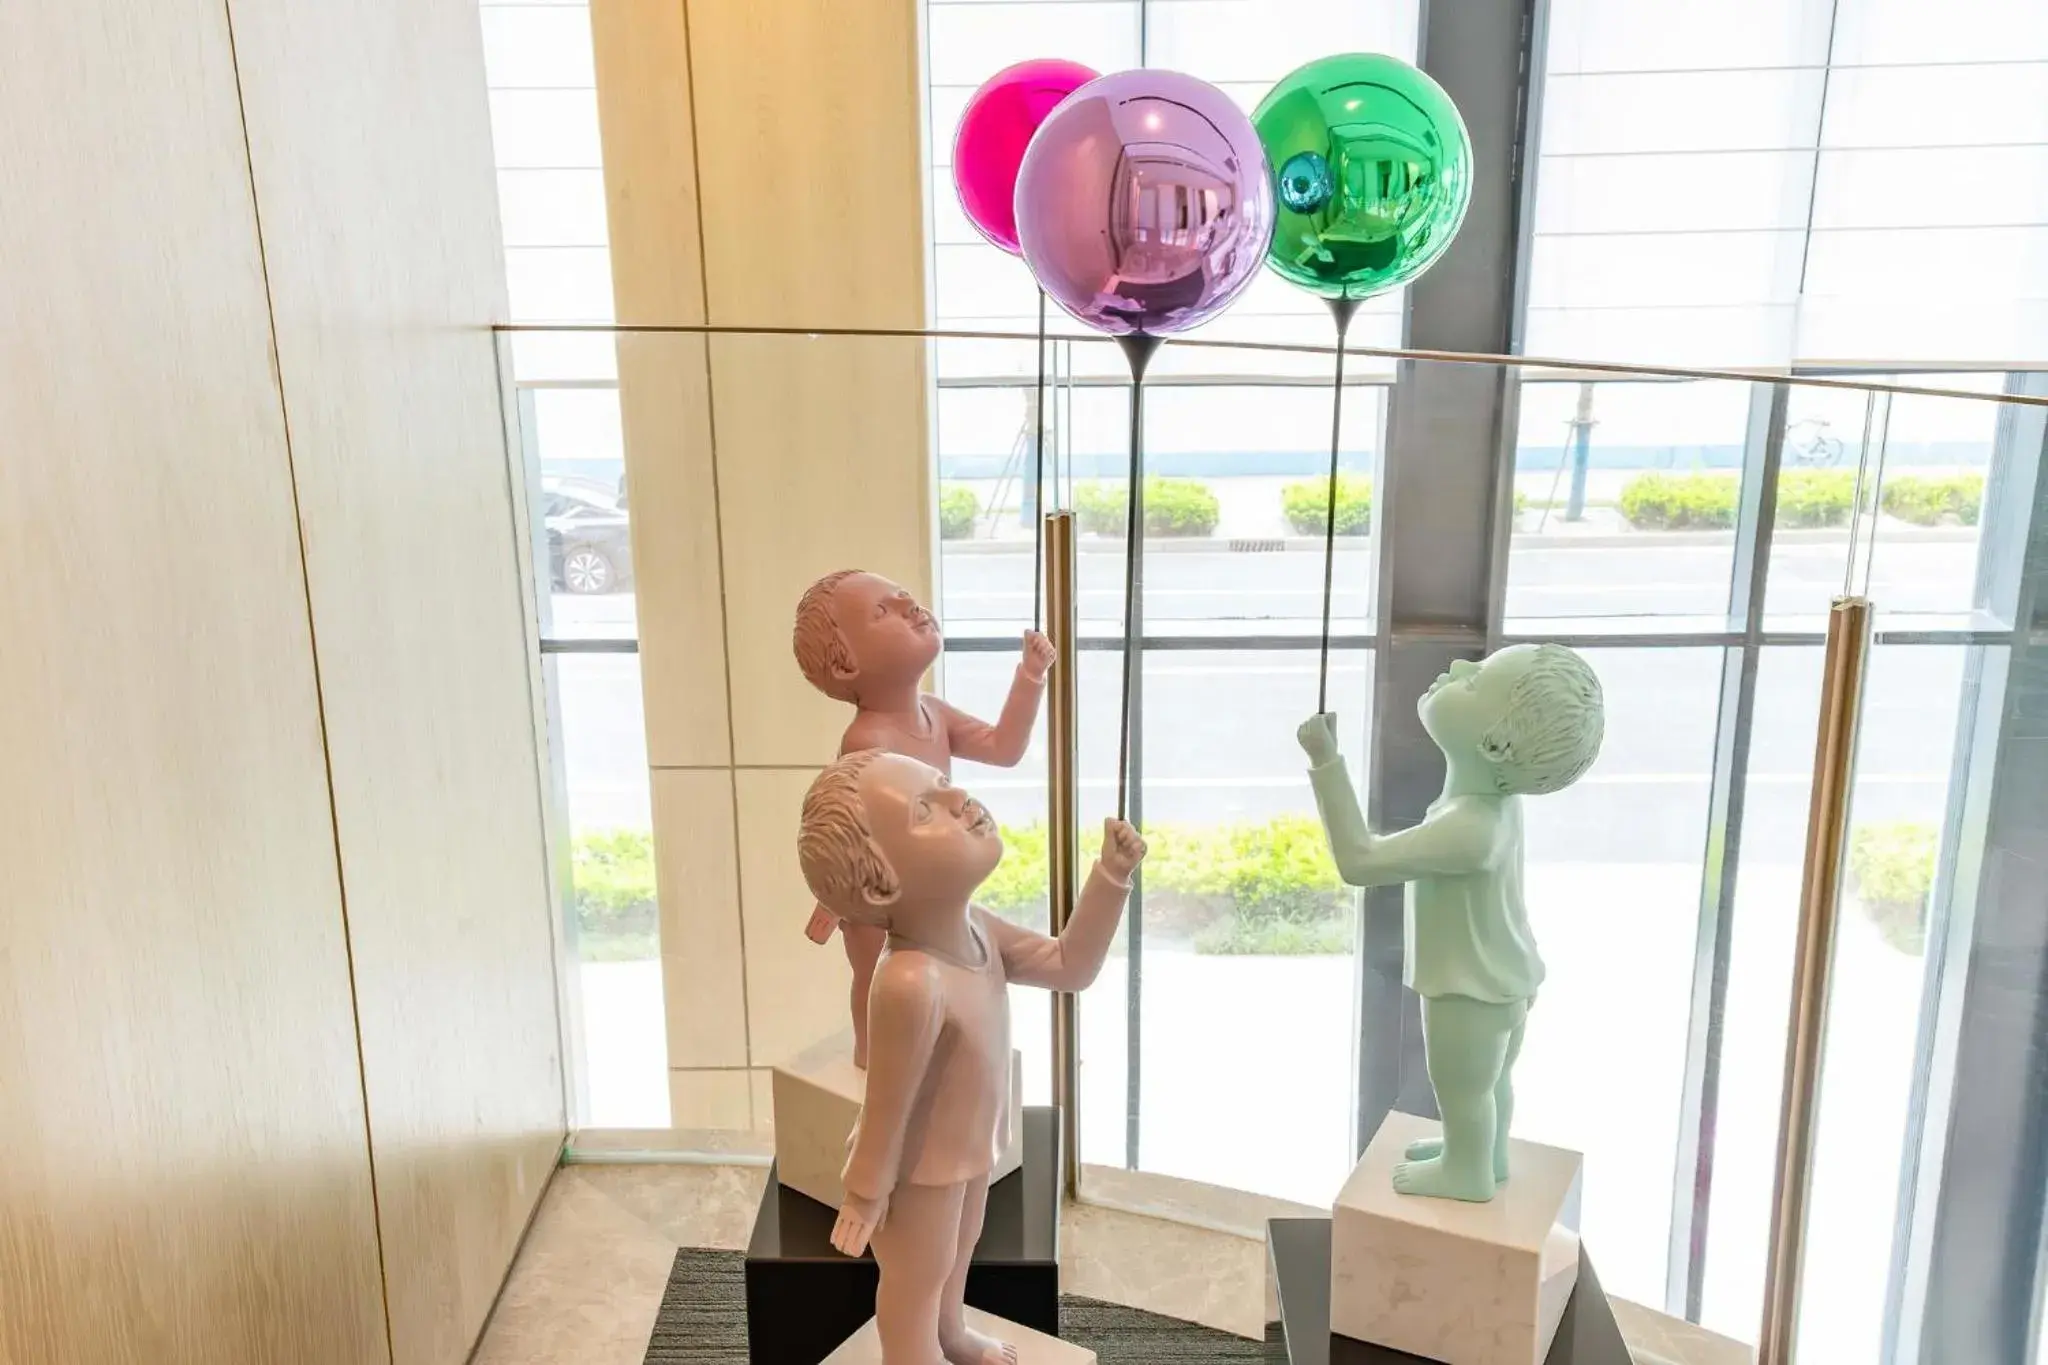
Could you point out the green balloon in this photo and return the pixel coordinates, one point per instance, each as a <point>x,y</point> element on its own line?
<point>1372,173</point>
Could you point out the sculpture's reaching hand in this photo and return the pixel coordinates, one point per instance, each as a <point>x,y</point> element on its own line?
<point>1122,849</point>
<point>1318,736</point>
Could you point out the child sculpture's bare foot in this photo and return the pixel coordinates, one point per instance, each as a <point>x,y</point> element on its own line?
<point>969,1347</point>
<point>1437,1179</point>
<point>1422,1149</point>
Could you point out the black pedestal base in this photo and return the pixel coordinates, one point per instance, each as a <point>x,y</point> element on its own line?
<point>804,1298</point>
<point>1299,1249</point>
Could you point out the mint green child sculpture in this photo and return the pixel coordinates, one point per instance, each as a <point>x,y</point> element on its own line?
<point>1525,721</point>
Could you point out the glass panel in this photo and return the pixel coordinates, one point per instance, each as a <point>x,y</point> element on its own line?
<point>582,511</point>
<point>1898,804</point>
<point>1613,879</point>
<point>603,756</point>
<point>1764,922</point>
<point>552,208</point>
<point>1236,499</point>
<point>546,129</point>
<point>559,284</point>
<point>538,47</point>
<point>1932,454</point>
<point>1654,110</point>
<point>1625,498</point>
<point>1924,561</point>
<point>1247,1054</point>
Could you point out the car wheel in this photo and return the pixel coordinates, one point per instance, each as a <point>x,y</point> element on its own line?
<point>586,570</point>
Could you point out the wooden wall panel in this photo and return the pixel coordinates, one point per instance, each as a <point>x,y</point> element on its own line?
<point>824,463</point>
<point>643,97</point>
<point>839,240</point>
<point>185,1178</point>
<point>757,463</point>
<point>370,143</point>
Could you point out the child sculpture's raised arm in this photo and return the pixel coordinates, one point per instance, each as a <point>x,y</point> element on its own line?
<point>1526,721</point>
<point>862,639</point>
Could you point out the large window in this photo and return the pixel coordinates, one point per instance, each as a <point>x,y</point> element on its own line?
<point>551,203</point>
<point>1769,182</point>
<point>1849,193</point>
<point>1710,189</point>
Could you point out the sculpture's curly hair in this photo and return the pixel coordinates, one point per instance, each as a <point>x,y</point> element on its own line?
<point>821,649</point>
<point>1553,726</point>
<point>836,848</point>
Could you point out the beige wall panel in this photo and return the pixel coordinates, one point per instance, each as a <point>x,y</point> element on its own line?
<point>643,92</point>
<point>696,864</point>
<point>822,465</point>
<point>186,1180</point>
<point>840,242</point>
<point>372,160</point>
<point>710,1100</point>
<point>642,51</point>
<point>797,990</point>
<point>664,402</point>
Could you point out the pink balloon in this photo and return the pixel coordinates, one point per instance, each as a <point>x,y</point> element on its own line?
<point>995,128</point>
<point>1144,203</point>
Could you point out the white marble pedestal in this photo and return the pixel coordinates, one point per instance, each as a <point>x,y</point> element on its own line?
<point>817,1099</point>
<point>1033,1348</point>
<point>1466,1284</point>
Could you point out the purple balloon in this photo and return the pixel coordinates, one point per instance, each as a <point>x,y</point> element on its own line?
<point>1144,203</point>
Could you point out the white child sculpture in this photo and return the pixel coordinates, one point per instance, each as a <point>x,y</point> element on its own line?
<point>862,639</point>
<point>889,842</point>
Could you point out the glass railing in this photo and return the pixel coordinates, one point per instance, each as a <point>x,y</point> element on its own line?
<point>1686,530</point>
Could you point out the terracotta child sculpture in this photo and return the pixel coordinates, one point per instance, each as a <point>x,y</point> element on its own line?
<point>890,843</point>
<point>1526,721</point>
<point>860,638</point>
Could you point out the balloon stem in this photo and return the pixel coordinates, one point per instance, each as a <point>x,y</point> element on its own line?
<point>1138,349</point>
<point>1341,311</point>
<point>1038,480</point>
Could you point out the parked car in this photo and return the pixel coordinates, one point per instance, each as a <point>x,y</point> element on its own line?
<point>589,548</point>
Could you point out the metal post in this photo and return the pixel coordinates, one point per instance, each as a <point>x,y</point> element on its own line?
<point>1582,454</point>
<point>1063,828</point>
<point>1827,837</point>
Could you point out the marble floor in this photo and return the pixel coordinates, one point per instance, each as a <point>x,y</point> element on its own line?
<point>588,1280</point>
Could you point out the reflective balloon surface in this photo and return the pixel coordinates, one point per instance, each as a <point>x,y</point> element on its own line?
<point>1375,172</point>
<point>995,128</point>
<point>1144,203</point>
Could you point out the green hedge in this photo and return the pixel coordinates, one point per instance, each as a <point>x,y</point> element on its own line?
<point>616,914</point>
<point>1891,870</point>
<point>1815,497</point>
<point>1696,502</point>
<point>1679,502</point>
<point>958,509</point>
<point>1935,499</point>
<point>1173,507</point>
<point>1307,504</point>
<point>1266,887</point>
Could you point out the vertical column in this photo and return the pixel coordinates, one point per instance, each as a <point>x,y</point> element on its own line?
<point>757,463</point>
<point>1448,478</point>
<point>1973,1186</point>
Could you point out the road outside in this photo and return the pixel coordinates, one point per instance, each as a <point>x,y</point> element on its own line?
<point>1248,1061</point>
